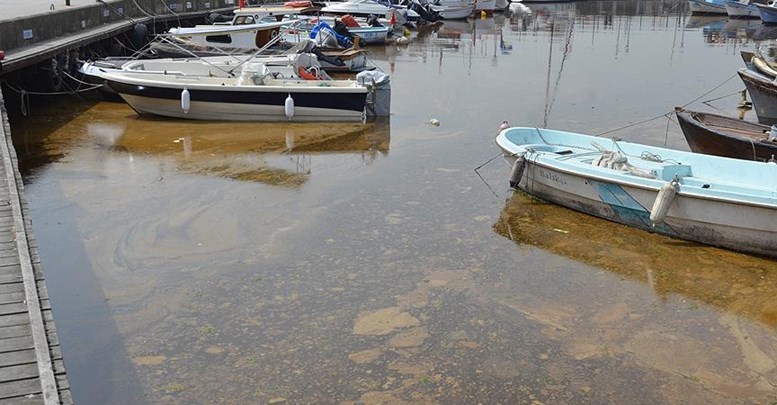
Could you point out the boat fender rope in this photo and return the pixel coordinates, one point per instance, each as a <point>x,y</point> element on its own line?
<point>664,199</point>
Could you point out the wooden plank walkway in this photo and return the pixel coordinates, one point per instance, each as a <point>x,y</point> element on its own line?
<point>31,366</point>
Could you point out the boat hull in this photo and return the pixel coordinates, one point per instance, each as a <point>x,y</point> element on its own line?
<point>709,219</point>
<point>768,13</point>
<point>451,12</point>
<point>763,94</point>
<point>738,10</point>
<point>486,5</point>
<point>706,8</point>
<point>229,105</point>
<point>707,139</point>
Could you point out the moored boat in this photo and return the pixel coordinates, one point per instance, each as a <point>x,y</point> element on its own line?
<point>453,9</point>
<point>366,8</point>
<point>257,94</point>
<point>741,9</point>
<point>763,93</point>
<point>708,199</point>
<point>707,7</point>
<point>768,12</point>
<point>719,135</point>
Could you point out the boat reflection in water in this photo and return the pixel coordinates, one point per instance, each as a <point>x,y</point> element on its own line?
<point>278,154</point>
<point>728,281</point>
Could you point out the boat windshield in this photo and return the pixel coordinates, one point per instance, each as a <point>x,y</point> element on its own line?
<point>243,20</point>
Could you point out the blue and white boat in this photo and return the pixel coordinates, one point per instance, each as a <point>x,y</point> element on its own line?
<point>741,9</point>
<point>707,6</point>
<point>768,12</point>
<point>708,199</point>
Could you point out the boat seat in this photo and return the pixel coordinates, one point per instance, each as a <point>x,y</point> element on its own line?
<point>669,172</point>
<point>259,80</point>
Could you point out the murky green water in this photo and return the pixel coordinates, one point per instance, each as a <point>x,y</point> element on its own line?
<point>201,263</point>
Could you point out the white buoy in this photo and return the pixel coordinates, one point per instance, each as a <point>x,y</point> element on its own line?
<point>186,101</point>
<point>517,173</point>
<point>435,122</point>
<point>289,107</point>
<point>663,201</point>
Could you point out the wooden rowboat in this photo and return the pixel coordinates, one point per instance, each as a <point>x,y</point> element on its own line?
<point>726,136</point>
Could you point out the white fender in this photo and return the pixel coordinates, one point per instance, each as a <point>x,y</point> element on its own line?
<point>289,107</point>
<point>186,101</point>
<point>663,201</point>
<point>517,173</point>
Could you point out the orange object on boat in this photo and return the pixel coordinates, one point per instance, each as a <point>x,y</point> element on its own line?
<point>349,21</point>
<point>306,75</point>
<point>298,3</point>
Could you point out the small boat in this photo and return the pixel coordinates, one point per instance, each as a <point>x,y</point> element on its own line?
<point>257,94</point>
<point>708,199</point>
<point>768,12</point>
<point>741,9</point>
<point>488,6</point>
<point>366,8</point>
<point>268,37</point>
<point>453,9</point>
<point>244,36</point>
<point>719,135</point>
<point>759,79</point>
<point>707,7</point>
<point>369,31</point>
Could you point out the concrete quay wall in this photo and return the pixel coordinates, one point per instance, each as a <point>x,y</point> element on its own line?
<point>26,31</point>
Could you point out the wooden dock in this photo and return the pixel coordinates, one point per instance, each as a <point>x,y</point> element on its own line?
<point>31,366</point>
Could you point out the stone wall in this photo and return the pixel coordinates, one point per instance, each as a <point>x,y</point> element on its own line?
<point>26,31</point>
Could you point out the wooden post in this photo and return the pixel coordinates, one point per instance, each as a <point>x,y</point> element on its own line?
<point>67,2</point>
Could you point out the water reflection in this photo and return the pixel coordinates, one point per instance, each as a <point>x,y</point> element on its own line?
<point>736,283</point>
<point>272,153</point>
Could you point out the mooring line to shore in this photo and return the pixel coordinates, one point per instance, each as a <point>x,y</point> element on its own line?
<point>481,177</point>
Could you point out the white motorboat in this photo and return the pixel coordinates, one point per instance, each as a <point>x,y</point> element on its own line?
<point>257,94</point>
<point>365,8</point>
<point>453,9</point>
<point>244,36</point>
<point>252,89</point>
<point>488,6</point>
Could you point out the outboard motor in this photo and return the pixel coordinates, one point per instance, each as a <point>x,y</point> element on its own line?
<point>424,11</point>
<point>328,37</point>
<point>372,21</point>
<point>342,30</point>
